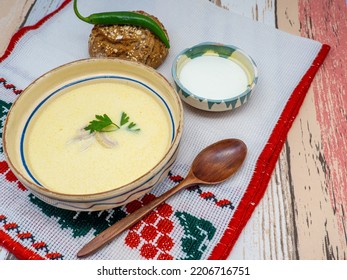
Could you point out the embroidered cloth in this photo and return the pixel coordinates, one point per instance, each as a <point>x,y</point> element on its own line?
<point>200,222</point>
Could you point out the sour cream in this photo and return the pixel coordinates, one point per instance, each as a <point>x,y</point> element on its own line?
<point>67,164</point>
<point>213,77</point>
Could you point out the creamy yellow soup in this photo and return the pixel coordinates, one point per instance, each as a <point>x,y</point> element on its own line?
<point>65,158</point>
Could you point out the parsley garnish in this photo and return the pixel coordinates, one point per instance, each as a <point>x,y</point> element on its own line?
<point>103,123</point>
<point>125,119</point>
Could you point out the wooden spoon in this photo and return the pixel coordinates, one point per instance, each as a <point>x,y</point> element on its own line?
<point>213,165</point>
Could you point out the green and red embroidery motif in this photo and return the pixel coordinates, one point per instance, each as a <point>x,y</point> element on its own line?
<point>9,86</point>
<point>151,236</point>
<point>198,233</point>
<point>80,223</point>
<point>205,195</point>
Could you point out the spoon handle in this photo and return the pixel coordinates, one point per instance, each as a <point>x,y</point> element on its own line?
<point>117,228</point>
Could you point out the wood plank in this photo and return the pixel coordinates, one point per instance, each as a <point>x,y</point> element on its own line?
<point>12,16</point>
<point>318,135</point>
<point>326,22</point>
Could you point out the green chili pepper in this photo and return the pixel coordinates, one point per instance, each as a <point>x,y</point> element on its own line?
<point>130,18</point>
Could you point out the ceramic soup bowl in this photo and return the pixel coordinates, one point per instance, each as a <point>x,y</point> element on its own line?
<point>94,134</point>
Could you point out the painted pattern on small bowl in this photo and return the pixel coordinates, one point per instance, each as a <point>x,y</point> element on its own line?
<point>228,52</point>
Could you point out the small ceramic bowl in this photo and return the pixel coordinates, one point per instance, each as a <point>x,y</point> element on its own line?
<point>47,89</point>
<point>214,77</point>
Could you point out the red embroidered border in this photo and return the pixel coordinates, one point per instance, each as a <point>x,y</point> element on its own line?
<point>267,161</point>
<point>264,166</point>
<point>25,235</point>
<point>16,248</point>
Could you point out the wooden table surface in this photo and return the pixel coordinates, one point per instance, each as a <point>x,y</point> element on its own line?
<point>302,215</point>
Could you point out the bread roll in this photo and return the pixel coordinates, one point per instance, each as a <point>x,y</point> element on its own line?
<point>128,42</point>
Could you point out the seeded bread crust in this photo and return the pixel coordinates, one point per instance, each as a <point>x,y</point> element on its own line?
<point>128,42</point>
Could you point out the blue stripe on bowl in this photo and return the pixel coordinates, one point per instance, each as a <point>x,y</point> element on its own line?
<point>78,82</point>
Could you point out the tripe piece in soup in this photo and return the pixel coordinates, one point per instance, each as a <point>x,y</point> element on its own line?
<point>213,77</point>
<point>63,157</point>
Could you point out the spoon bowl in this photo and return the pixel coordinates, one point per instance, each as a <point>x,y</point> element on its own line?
<point>213,165</point>
<point>219,161</point>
